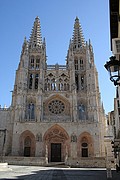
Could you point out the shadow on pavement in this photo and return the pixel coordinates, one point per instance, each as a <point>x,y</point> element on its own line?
<point>66,174</point>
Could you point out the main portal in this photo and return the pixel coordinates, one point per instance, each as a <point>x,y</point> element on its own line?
<point>55,152</point>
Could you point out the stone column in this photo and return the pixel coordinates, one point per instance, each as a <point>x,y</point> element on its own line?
<point>66,154</point>
<point>39,145</point>
<point>46,154</point>
<point>73,146</point>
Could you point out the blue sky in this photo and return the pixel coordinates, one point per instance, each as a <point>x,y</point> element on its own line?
<point>57,20</point>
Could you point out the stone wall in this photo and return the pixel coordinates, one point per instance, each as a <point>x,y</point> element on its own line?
<point>87,162</point>
<point>35,161</point>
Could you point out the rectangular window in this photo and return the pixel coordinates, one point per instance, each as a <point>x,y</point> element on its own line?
<point>118,46</point>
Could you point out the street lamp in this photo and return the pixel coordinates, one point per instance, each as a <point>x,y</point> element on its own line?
<point>113,67</point>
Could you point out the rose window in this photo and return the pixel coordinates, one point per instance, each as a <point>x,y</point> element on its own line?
<point>56,107</point>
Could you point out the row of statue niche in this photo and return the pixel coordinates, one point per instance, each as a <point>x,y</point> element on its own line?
<point>39,137</point>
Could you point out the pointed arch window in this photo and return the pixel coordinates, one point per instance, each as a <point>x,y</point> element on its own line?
<point>36,81</point>
<point>30,81</point>
<point>81,63</point>
<point>37,63</point>
<point>76,64</point>
<point>77,81</point>
<point>82,112</point>
<point>30,112</point>
<point>32,61</point>
<point>82,82</point>
<point>57,84</point>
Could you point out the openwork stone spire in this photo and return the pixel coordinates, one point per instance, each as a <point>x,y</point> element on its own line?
<point>36,38</point>
<point>78,39</point>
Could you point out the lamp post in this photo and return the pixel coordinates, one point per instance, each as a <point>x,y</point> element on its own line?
<point>113,67</point>
<point>116,150</point>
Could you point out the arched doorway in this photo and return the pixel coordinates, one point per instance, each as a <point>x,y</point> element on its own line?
<point>84,149</point>
<point>85,146</point>
<point>27,144</point>
<point>56,152</point>
<point>56,141</point>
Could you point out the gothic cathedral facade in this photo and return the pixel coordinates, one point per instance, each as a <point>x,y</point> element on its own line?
<point>56,111</point>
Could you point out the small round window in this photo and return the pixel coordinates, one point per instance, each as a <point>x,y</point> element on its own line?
<point>56,107</point>
<point>84,144</point>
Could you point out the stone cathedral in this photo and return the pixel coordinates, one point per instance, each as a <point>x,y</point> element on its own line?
<point>56,114</point>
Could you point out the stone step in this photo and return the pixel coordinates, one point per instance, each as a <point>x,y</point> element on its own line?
<point>57,164</point>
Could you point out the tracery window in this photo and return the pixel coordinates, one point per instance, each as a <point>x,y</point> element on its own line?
<point>37,63</point>
<point>56,107</point>
<point>32,63</point>
<point>76,64</point>
<point>30,81</point>
<point>81,63</point>
<point>60,83</point>
<point>82,112</point>
<point>36,81</point>
<point>77,81</point>
<point>82,82</point>
<point>30,112</point>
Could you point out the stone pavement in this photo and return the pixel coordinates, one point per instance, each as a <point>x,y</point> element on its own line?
<point>54,173</point>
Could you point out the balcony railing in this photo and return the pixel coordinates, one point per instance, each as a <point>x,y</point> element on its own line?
<point>56,67</point>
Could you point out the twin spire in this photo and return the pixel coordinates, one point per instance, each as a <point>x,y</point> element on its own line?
<point>35,40</point>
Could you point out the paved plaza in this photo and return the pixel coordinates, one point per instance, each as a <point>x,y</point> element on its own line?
<point>54,173</point>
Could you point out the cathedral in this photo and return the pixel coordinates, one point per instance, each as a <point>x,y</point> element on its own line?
<point>56,113</point>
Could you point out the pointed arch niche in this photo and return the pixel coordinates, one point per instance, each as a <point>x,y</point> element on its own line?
<point>85,147</point>
<point>56,143</point>
<point>27,144</point>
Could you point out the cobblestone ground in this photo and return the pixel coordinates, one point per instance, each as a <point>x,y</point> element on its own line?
<point>49,173</point>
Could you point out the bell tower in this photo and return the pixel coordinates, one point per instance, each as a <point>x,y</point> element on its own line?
<point>84,77</point>
<point>29,81</point>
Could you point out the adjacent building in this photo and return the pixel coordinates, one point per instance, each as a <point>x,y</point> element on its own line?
<point>115,48</point>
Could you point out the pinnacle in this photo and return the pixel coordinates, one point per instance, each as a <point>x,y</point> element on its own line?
<point>35,38</point>
<point>78,38</point>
